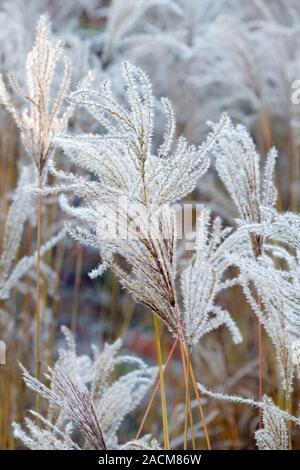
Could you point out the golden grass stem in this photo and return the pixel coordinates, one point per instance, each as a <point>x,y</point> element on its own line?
<point>78,271</point>
<point>186,354</point>
<point>38,291</point>
<point>155,390</point>
<point>186,411</point>
<point>189,405</point>
<point>260,356</point>
<point>258,244</point>
<point>187,397</point>
<point>162,385</point>
<point>197,394</point>
<point>288,407</point>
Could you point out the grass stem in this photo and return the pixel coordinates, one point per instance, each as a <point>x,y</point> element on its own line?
<point>38,292</point>
<point>260,357</point>
<point>155,390</point>
<point>197,394</point>
<point>162,385</point>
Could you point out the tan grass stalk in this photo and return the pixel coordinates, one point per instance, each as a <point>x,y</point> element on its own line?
<point>162,385</point>
<point>197,394</point>
<point>188,411</point>
<point>38,289</point>
<point>78,271</point>
<point>155,390</point>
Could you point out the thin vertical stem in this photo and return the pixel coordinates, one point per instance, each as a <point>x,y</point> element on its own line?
<point>186,406</point>
<point>257,250</point>
<point>288,407</point>
<point>189,403</point>
<point>185,353</point>
<point>260,357</point>
<point>188,414</point>
<point>197,394</point>
<point>155,390</point>
<point>38,291</point>
<point>162,385</point>
<point>78,270</point>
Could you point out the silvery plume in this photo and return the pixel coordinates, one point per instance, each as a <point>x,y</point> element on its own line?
<point>132,187</point>
<point>86,395</point>
<point>43,116</point>
<point>274,434</point>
